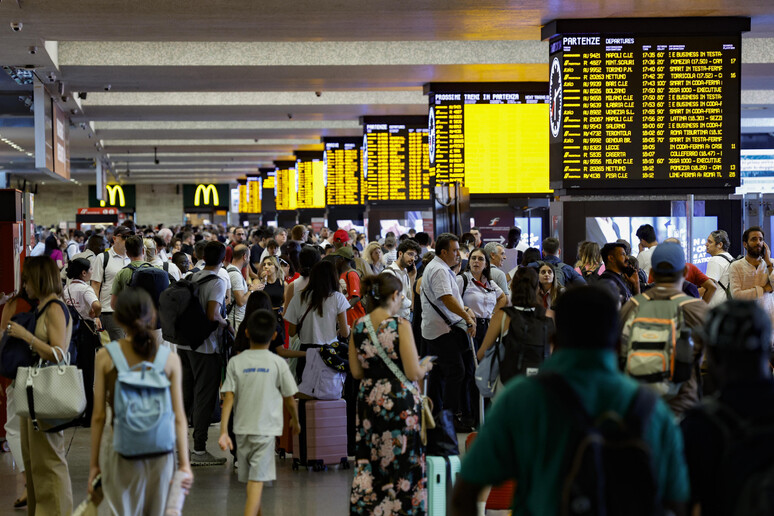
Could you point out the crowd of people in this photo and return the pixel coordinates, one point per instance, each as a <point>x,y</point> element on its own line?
<point>579,338</point>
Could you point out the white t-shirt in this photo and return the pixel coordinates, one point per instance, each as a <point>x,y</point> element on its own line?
<point>39,249</point>
<point>72,249</point>
<point>481,301</point>
<point>172,269</point>
<point>214,290</point>
<point>643,259</point>
<point>221,272</point>
<point>81,296</point>
<point>316,329</point>
<point>265,253</point>
<point>717,269</point>
<point>238,284</point>
<point>402,275</point>
<point>106,277</point>
<point>259,380</point>
<point>438,280</point>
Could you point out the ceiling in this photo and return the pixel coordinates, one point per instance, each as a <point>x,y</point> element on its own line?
<point>216,89</point>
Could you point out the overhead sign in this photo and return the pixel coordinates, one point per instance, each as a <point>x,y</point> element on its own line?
<point>206,197</point>
<point>122,197</point>
<point>343,171</point>
<point>310,171</point>
<point>286,185</point>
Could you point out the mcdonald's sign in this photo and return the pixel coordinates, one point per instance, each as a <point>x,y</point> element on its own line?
<point>118,196</point>
<point>206,197</point>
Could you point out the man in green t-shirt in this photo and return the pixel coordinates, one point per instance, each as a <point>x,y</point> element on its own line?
<point>135,251</point>
<point>527,436</point>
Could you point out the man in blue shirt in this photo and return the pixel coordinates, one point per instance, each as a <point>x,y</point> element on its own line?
<point>569,277</point>
<point>527,436</point>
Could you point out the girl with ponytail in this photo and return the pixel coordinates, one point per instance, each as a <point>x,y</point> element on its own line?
<point>143,482</point>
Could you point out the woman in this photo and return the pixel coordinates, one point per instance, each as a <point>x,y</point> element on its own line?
<point>360,242</point>
<point>374,262</point>
<point>289,272</point>
<point>52,251</point>
<point>524,299</point>
<point>307,258</point>
<point>271,281</point>
<point>550,289</point>
<point>318,311</point>
<point>589,263</point>
<point>48,490</point>
<point>717,268</point>
<point>136,486</point>
<point>390,459</point>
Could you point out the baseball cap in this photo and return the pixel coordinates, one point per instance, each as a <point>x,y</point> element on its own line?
<point>668,258</point>
<point>345,252</point>
<point>122,231</point>
<point>341,236</point>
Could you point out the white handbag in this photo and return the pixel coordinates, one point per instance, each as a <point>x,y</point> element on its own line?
<point>51,394</point>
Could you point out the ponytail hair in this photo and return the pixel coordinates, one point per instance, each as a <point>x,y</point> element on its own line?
<point>77,267</point>
<point>377,290</point>
<point>135,311</point>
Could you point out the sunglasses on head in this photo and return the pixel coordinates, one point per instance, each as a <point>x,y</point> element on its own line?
<point>283,263</point>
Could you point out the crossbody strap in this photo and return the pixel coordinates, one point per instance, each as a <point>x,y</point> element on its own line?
<point>387,360</point>
<point>301,322</point>
<point>443,315</point>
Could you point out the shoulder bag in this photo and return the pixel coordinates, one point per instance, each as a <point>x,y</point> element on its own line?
<point>15,352</point>
<point>295,342</point>
<point>428,421</point>
<point>488,371</point>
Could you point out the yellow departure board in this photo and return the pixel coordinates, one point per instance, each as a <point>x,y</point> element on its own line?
<point>286,188</point>
<point>645,103</point>
<point>343,171</point>
<point>395,166</point>
<point>269,182</point>
<point>243,204</point>
<point>494,140</point>
<point>310,171</point>
<point>254,194</point>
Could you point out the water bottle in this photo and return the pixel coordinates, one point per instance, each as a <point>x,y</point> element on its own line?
<point>683,356</point>
<point>176,496</point>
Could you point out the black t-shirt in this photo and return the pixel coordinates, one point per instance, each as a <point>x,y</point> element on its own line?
<point>704,443</point>
<point>187,249</point>
<point>620,283</point>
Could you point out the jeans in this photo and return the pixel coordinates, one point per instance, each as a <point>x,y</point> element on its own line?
<point>111,326</point>
<point>201,382</point>
<point>448,370</point>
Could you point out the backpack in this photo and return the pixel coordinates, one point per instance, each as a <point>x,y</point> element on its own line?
<point>183,319</point>
<point>16,352</point>
<point>746,474</point>
<point>144,422</point>
<point>526,343</point>
<point>609,470</point>
<point>659,346</point>
<point>726,288</point>
<point>592,275</point>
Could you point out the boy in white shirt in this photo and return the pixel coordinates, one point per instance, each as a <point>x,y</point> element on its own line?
<point>259,382</point>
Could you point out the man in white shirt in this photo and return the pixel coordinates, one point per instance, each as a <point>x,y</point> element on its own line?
<point>102,278</point>
<point>496,254</point>
<point>648,243</point>
<point>200,264</point>
<point>403,268</point>
<point>166,235</point>
<point>446,324</point>
<point>390,250</point>
<point>74,244</point>
<point>752,278</point>
<point>239,289</point>
<point>280,236</point>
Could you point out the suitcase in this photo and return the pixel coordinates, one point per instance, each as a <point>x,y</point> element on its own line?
<point>285,441</point>
<point>441,475</point>
<point>323,437</point>
<point>500,497</point>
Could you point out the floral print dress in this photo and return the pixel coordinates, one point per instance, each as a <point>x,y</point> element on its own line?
<point>389,456</point>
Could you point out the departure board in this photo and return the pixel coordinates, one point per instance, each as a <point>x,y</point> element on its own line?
<point>643,110</point>
<point>244,206</point>
<point>254,194</point>
<point>286,186</point>
<point>491,137</point>
<point>343,171</point>
<point>268,204</point>
<point>310,171</point>
<point>396,163</point>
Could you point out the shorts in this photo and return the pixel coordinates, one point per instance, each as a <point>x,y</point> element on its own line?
<point>255,454</point>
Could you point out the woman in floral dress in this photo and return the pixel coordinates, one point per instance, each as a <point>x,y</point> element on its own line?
<point>390,459</point>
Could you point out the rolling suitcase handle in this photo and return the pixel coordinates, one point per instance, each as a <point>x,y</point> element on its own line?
<point>480,397</point>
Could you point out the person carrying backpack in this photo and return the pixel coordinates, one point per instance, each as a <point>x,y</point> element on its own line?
<point>142,383</point>
<point>729,440</point>
<point>565,274</point>
<point>659,344</point>
<point>536,430</point>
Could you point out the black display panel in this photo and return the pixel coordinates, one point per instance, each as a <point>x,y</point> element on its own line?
<point>634,110</point>
<point>344,173</point>
<point>396,158</point>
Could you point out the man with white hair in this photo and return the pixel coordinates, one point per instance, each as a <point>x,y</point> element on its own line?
<point>166,235</point>
<point>496,254</point>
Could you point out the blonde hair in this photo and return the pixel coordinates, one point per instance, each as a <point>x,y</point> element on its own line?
<point>368,250</point>
<point>150,248</point>
<point>41,275</point>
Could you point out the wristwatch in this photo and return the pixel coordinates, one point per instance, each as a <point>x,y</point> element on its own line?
<point>469,325</point>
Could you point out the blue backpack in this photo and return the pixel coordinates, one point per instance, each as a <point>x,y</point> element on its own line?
<point>144,422</point>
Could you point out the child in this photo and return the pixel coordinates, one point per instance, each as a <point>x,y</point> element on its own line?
<point>258,381</point>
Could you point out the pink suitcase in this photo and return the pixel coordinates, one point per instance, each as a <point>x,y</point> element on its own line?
<point>323,437</point>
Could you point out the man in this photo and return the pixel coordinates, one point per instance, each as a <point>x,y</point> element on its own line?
<point>390,250</point>
<point>566,275</point>
<point>349,281</point>
<point>102,278</point>
<point>340,239</point>
<point>423,239</point>
<point>199,265</point>
<point>476,236</point>
<point>668,265</point>
<point>496,254</point>
<point>528,435</point>
<point>166,236</point>
<point>74,244</point>
<point>647,236</point>
<point>695,277</point>
<point>239,288</point>
<point>752,277</point>
<point>446,325</point>
<point>280,236</point>
<point>616,267</point>
<point>738,349</point>
<point>201,367</point>
<point>412,233</point>
<point>258,238</point>
<point>403,268</point>
<point>240,235</point>
<point>298,234</point>
<point>188,242</point>
<point>135,251</point>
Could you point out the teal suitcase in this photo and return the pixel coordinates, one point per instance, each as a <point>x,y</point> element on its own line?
<point>441,475</point>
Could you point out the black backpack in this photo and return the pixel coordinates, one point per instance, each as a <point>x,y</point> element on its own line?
<point>183,319</point>
<point>609,470</point>
<point>746,474</point>
<point>526,343</point>
<point>151,279</point>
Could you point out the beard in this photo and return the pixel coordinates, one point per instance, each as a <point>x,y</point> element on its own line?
<point>754,252</point>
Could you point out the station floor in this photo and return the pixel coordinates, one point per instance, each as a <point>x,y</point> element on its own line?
<point>216,489</point>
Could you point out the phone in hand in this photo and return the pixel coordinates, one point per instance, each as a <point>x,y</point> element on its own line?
<point>429,358</point>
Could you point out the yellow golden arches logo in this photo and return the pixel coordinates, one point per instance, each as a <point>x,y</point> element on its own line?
<point>112,190</point>
<point>206,190</point>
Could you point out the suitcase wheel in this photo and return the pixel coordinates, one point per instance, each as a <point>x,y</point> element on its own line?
<point>6,448</point>
<point>344,463</point>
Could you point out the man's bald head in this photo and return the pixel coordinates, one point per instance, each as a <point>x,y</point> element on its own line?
<point>240,251</point>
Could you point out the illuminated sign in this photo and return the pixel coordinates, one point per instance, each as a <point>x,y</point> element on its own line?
<point>118,196</point>
<point>310,170</point>
<point>286,185</point>
<point>206,191</point>
<point>343,171</point>
<point>491,137</point>
<point>206,197</point>
<point>113,191</point>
